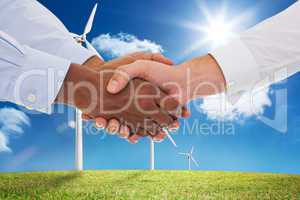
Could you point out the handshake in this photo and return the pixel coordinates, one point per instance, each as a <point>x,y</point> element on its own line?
<point>140,94</point>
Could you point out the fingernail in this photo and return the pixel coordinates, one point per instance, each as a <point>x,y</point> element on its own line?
<point>112,86</point>
<point>123,136</point>
<point>99,126</point>
<point>123,133</point>
<point>112,130</point>
<point>173,130</point>
<point>134,139</point>
<point>158,140</point>
<point>173,127</point>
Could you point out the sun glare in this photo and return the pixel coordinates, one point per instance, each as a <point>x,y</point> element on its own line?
<point>217,32</point>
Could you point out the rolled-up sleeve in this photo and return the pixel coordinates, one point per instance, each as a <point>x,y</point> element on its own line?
<point>29,77</point>
<point>262,51</point>
<point>35,26</point>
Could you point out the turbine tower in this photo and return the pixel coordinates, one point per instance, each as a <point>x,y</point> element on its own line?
<point>189,156</point>
<point>152,150</point>
<point>152,156</point>
<point>82,40</point>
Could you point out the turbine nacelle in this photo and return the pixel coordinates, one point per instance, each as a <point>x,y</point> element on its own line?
<point>82,39</point>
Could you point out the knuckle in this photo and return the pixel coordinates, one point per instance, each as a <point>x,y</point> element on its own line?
<point>166,122</point>
<point>121,70</point>
<point>139,62</point>
<point>146,104</point>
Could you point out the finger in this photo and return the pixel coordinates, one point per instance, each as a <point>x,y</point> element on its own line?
<point>158,57</point>
<point>159,137</point>
<point>162,118</point>
<point>100,122</point>
<point>113,126</point>
<point>86,117</point>
<point>123,75</point>
<point>174,126</point>
<point>134,139</point>
<point>185,112</point>
<point>124,131</point>
<point>141,132</point>
<point>162,59</point>
<point>151,128</point>
<point>170,105</point>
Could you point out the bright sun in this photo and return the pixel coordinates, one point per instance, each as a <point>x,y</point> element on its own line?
<point>217,32</point>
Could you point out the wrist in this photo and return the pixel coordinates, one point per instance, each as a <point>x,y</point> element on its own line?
<point>76,88</point>
<point>204,77</point>
<point>94,63</point>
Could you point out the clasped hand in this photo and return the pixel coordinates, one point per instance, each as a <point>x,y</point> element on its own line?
<point>140,109</point>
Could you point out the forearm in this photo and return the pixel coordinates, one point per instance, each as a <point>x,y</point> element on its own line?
<point>203,77</point>
<point>264,54</point>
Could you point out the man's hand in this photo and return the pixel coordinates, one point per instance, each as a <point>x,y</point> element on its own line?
<point>196,78</point>
<point>199,77</point>
<point>95,63</point>
<point>142,107</point>
<point>113,125</point>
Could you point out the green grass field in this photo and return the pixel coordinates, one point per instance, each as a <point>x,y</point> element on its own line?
<point>137,185</point>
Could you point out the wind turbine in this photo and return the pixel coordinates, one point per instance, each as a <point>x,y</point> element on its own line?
<point>152,150</point>
<point>82,40</point>
<point>189,156</point>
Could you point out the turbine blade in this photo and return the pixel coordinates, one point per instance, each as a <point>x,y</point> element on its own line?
<point>90,47</point>
<point>171,139</point>
<point>89,24</point>
<point>196,163</point>
<point>184,154</point>
<point>192,150</point>
<point>74,35</point>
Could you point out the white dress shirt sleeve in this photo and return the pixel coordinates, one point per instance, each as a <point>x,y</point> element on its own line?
<point>29,77</point>
<point>262,51</point>
<point>34,25</point>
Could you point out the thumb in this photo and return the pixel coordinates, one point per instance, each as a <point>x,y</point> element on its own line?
<point>122,76</point>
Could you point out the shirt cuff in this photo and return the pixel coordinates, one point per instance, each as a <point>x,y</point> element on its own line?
<point>239,67</point>
<point>40,79</point>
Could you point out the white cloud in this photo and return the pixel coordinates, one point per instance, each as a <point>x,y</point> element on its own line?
<point>21,158</point>
<point>250,104</point>
<point>12,122</point>
<point>3,143</point>
<point>72,124</point>
<point>122,44</point>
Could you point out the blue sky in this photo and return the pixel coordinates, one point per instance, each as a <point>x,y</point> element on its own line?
<point>47,143</point>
